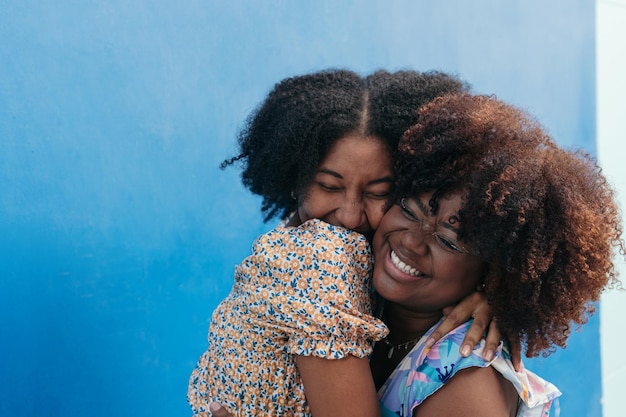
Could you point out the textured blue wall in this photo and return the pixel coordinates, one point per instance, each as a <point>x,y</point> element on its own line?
<point>118,234</point>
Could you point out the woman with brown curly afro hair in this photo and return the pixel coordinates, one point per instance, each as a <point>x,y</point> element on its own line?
<point>485,199</point>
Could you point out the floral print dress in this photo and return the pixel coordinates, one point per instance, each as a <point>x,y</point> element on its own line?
<point>424,371</point>
<point>303,291</point>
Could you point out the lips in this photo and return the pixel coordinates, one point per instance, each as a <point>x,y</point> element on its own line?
<point>407,269</point>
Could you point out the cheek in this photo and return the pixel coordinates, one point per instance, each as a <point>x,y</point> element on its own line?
<point>384,286</point>
<point>311,205</point>
<point>470,276</point>
<point>375,212</point>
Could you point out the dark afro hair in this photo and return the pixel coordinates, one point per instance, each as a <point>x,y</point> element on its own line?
<point>286,138</point>
<point>544,219</point>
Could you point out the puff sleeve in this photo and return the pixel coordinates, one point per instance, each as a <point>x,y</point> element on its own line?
<point>310,285</point>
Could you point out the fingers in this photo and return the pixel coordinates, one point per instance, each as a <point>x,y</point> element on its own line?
<point>447,310</point>
<point>482,318</point>
<point>218,411</point>
<point>492,340</point>
<point>474,305</point>
<point>450,322</point>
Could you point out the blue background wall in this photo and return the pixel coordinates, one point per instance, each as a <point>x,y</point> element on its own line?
<point>118,233</point>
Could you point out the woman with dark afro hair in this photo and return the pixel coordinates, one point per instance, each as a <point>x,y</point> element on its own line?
<point>484,198</point>
<point>319,150</point>
<point>287,137</point>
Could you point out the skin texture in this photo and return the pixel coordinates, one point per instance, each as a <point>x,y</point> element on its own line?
<point>498,397</point>
<point>351,186</point>
<point>328,385</point>
<point>438,277</point>
<point>416,274</point>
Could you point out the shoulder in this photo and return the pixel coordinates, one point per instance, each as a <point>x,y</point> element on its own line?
<point>472,391</point>
<point>312,251</point>
<point>425,372</point>
<point>321,230</point>
<point>468,386</point>
<point>444,360</point>
<point>315,234</point>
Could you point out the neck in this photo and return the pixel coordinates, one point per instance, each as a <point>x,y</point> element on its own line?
<point>405,324</point>
<point>294,221</point>
<point>405,328</point>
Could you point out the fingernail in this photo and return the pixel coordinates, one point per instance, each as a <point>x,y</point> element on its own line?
<point>214,407</point>
<point>488,355</point>
<point>429,343</point>
<point>465,350</point>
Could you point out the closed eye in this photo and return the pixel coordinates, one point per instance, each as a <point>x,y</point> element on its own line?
<point>407,211</point>
<point>327,187</point>
<point>449,244</point>
<point>378,196</point>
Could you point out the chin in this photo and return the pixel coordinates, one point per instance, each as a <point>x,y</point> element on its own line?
<point>386,287</point>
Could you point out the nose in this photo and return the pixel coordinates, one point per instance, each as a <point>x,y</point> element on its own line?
<point>351,215</point>
<point>415,240</point>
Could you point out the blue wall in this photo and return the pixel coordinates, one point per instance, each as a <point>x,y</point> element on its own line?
<point>119,233</point>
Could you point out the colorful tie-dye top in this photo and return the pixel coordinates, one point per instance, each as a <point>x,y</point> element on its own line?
<point>303,291</point>
<point>424,371</point>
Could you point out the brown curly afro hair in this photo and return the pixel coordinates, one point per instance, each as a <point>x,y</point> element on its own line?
<point>285,139</point>
<point>544,219</point>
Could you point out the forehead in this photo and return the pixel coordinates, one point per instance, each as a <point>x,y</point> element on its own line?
<point>358,152</point>
<point>449,203</point>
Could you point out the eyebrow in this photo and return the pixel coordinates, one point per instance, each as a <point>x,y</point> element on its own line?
<point>426,212</point>
<point>338,175</point>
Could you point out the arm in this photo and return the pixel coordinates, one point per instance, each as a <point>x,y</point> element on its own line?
<point>341,387</point>
<point>471,392</point>
<point>475,305</point>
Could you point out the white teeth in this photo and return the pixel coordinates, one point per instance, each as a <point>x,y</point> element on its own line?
<point>402,266</point>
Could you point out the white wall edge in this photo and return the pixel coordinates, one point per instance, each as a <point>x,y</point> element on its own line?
<point>611,145</point>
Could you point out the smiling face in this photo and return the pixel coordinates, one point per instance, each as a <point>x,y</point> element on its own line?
<point>351,185</point>
<point>420,265</point>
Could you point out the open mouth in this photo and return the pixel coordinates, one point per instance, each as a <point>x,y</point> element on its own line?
<point>407,269</point>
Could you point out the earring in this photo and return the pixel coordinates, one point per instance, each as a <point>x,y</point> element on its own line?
<point>293,195</point>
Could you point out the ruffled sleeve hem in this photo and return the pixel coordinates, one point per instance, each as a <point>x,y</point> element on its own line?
<point>329,349</point>
<point>312,282</point>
